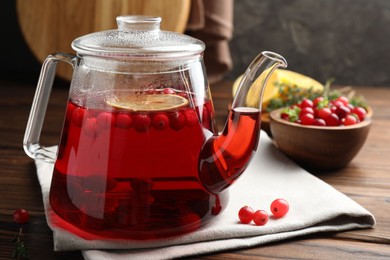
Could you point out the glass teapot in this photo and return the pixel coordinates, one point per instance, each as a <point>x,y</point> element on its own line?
<point>140,156</point>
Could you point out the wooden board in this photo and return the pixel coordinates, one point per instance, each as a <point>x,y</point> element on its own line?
<point>51,25</point>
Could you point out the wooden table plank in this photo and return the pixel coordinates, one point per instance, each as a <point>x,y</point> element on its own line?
<point>366,180</point>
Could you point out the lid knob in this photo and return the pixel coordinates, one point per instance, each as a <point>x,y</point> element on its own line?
<point>138,23</point>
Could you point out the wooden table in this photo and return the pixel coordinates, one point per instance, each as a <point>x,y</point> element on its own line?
<point>366,180</point>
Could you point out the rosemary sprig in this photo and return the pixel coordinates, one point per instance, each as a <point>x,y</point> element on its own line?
<point>20,251</point>
<point>292,94</point>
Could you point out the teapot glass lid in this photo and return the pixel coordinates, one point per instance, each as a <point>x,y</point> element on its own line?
<point>138,37</point>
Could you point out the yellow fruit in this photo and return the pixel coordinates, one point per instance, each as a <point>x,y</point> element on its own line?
<point>278,77</point>
<point>154,102</point>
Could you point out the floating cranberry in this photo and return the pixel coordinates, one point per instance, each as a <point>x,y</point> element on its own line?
<point>123,121</point>
<point>160,121</point>
<point>177,120</point>
<point>142,122</point>
<point>90,126</point>
<point>191,117</point>
<point>168,91</point>
<point>105,120</point>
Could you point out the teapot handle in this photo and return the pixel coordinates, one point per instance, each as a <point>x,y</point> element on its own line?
<point>38,109</point>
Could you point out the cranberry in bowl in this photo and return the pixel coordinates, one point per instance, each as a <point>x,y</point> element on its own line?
<point>320,138</point>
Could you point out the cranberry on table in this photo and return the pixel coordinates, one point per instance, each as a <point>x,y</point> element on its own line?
<point>246,214</point>
<point>21,216</point>
<point>260,217</point>
<point>279,208</point>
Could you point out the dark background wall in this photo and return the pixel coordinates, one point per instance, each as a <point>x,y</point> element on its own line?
<point>16,59</point>
<point>345,39</point>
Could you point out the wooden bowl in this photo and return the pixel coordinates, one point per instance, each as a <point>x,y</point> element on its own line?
<point>318,147</point>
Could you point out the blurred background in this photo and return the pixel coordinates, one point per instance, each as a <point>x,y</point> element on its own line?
<point>343,39</point>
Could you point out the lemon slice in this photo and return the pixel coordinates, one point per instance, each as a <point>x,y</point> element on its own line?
<point>278,77</point>
<point>148,103</point>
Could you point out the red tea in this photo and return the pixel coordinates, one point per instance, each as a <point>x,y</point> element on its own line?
<point>127,174</point>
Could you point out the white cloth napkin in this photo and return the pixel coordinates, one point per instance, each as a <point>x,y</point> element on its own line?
<point>314,207</point>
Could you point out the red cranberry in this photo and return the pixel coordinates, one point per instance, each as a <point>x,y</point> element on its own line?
<point>360,112</point>
<point>123,121</point>
<point>307,119</point>
<point>142,122</point>
<point>318,100</point>
<point>306,103</point>
<point>177,120</point>
<point>319,122</point>
<point>306,110</point>
<point>105,120</point>
<point>332,120</point>
<point>168,91</point>
<point>90,126</point>
<point>21,216</point>
<point>350,120</point>
<point>191,117</point>
<point>160,121</point>
<point>342,111</point>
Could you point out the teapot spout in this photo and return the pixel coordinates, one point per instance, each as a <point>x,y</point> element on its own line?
<point>225,157</point>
